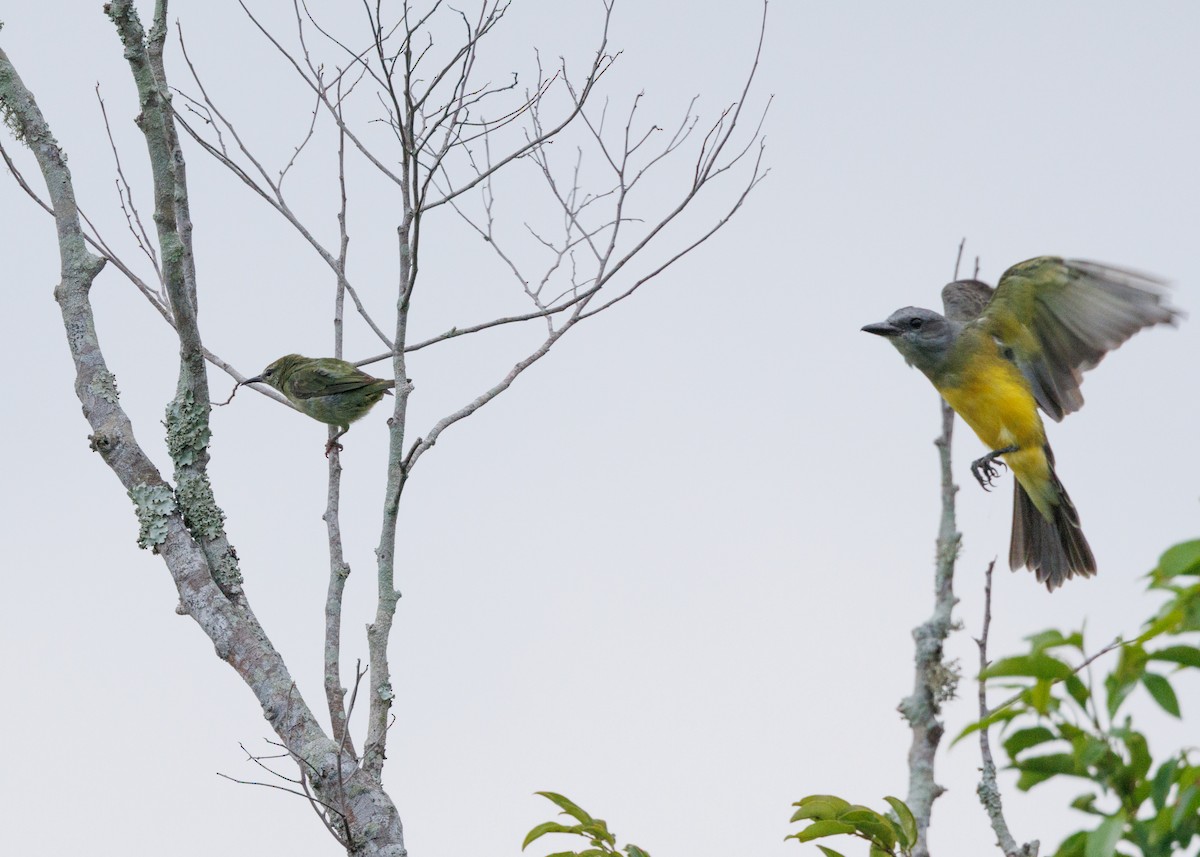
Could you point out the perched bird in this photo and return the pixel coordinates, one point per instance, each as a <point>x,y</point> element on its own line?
<point>327,389</point>
<point>996,357</point>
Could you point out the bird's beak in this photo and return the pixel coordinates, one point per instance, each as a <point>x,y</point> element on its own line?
<point>257,379</point>
<point>883,328</point>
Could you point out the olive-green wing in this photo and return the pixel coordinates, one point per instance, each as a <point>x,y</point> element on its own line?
<point>327,377</point>
<point>1060,317</point>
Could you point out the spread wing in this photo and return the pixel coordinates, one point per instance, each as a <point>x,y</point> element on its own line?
<point>964,300</point>
<point>327,378</point>
<point>1060,317</point>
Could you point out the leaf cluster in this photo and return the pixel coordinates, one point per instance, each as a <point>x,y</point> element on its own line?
<point>889,834</point>
<point>1065,723</point>
<point>601,841</point>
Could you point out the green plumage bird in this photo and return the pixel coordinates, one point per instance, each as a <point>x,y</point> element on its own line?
<point>329,390</point>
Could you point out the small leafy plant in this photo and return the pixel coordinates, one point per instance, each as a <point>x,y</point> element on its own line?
<point>1061,723</point>
<point>890,835</point>
<point>601,841</point>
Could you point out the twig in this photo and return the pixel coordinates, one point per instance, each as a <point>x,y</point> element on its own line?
<point>339,569</point>
<point>125,194</point>
<point>1019,695</point>
<point>988,790</point>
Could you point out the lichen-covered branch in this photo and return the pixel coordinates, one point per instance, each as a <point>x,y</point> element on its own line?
<point>230,625</point>
<point>188,431</point>
<point>436,110</point>
<point>935,680</point>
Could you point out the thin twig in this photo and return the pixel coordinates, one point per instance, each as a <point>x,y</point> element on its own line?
<point>988,790</point>
<point>339,569</point>
<point>1019,695</point>
<point>125,194</point>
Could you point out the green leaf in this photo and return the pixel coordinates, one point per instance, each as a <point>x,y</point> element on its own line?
<point>908,824</point>
<point>1053,638</point>
<point>1139,755</point>
<point>1116,691</point>
<point>1189,802</point>
<point>1073,845</point>
<point>634,851</point>
<point>1040,696</point>
<point>567,806</point>
<point>1029,666</point>
<point>1102,842</point>
<point>1078,691</point>
<point>1051,763</point>
<point>1168,620</point>
<point>544,828</point>
<point>1162,783</point>
<point>1084,803</point>
<point>819,810</point>
<point>1090,750</point>
<point>1071,732</point>
<point>1002,716</point>
<point>1188,656</point>
<point>1162,692</point>
<point>872,825</point>
<point>1023,739</point>
<point>842,805</point>
<point>1029,779</point>
<point>829,852</point>
<point>598,832</point>
<point>1183,558</point>
<point>818,829</point>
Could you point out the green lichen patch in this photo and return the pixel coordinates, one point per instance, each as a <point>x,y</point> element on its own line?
<point>154,505</point>
<point>104,386</point>
<point>187,429</point>
<point>201,514</point>
<point>227,573</point>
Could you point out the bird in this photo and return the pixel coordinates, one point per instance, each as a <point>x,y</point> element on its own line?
<point>329,390</point>
<point>998,356</point>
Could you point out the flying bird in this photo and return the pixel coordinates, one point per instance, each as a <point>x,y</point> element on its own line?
<point>329,390</point>
<point>998,356</point>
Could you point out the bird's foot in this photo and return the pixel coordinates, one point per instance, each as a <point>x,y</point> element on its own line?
<point>331,446</point>
<point>983,469</point>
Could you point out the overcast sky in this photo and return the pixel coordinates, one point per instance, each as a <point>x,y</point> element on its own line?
<point>673,571</point>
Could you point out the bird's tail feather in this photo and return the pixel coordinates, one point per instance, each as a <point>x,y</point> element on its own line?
<point>1053,549</point>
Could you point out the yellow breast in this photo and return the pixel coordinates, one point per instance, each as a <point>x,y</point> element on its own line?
<point>995,401</point>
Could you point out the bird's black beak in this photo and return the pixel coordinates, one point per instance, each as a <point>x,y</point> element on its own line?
<point>257,379</point>
<point>883,328</point>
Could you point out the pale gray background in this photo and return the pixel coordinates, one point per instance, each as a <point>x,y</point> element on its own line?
<point>672,573</point>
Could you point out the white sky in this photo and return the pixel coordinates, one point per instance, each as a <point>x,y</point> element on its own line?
<point>672,573</point>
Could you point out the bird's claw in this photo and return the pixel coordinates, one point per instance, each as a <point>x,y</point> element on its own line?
<point>331,446</point>
<point>985,472</point>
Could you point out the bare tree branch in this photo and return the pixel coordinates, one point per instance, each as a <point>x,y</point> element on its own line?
<point>988,790</point>
<point>445,123</point>
<point>339,569</point>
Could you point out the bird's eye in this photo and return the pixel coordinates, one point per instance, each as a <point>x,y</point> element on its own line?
<point>268,373</point>
<point>915,323</point>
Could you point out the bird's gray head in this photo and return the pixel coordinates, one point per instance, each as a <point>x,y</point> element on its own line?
<point>921,335</point>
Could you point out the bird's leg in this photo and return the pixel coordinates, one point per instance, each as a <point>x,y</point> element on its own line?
<point>329,447</point>
<point>982,468</point>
